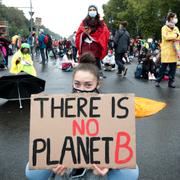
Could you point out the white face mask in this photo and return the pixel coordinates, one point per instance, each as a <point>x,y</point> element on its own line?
<point>175,21</point>
<point>92,14</point>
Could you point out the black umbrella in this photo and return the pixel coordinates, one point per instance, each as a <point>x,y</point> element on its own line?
<point>20,86</point>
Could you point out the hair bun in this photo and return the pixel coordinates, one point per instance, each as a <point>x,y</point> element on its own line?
<point>87,57</point>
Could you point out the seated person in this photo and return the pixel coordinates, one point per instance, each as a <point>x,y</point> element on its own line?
<point>22,61</point>
<point>109,61</point>
<point>149,68</point>
<point>85,79</point>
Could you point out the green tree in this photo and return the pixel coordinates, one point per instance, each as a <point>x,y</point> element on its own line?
<point>145,17</point>
<point>17,22</point>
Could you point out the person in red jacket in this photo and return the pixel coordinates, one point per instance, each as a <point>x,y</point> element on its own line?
<point>92,36</point>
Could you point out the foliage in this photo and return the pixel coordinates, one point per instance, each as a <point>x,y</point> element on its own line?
<point>17,22</point>
<point>145,17</point>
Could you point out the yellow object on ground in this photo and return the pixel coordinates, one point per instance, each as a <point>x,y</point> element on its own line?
<point>146,107</point>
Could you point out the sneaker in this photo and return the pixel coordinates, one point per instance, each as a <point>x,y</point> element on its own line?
<point>125,71</point>
<point>157,84</point>
<point>119,73</point>
<point>153,77</point>
<point>149,76</point>
<point>171,85</point>
<point>102,76</point>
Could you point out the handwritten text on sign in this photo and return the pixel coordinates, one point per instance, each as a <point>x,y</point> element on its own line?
<point>78,130</point>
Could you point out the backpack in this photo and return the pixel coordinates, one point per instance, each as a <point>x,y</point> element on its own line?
<point>67,66</point>
<point>138,72</point>
<point>46,39</point>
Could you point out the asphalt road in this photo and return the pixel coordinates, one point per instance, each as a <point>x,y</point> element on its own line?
<point>158,136</point>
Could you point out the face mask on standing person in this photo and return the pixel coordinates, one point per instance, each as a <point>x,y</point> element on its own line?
<point>92,11</point>
<point>92,14</point>
<point>175,20</point>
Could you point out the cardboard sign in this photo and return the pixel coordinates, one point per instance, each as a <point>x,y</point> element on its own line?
<point>78,130</point>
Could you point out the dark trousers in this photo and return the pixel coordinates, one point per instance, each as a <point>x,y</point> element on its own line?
<point>50,49</point>
<point>162,70</point>
<point>43,55</point>
<point>32,52</point>
<point>6,58</point>
<point>74,53</point>
<point>119,61</point>
<point>98,63</point>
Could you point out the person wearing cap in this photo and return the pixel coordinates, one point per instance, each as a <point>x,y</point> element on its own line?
<point>22,61</point>
<point>93,35</point>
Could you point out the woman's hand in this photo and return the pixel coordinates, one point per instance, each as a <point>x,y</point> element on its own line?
<point>99,170</point>
<point>87,30</point>
<point>59,169</point>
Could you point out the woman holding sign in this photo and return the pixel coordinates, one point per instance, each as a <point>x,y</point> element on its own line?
<point>85,79</point>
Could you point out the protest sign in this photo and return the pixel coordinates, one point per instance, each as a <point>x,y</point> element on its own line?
<point>78,130</point>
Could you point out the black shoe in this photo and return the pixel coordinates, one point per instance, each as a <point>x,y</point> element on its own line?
<point>102,76</point>
<point>171,85</point>
<point>119,73</point>
<point>157,84</point>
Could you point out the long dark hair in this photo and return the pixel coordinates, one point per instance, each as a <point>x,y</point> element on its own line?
<point>170,15</point>
<point>92,23</point>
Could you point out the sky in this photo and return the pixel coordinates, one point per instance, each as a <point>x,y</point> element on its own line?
<point>60,16</point>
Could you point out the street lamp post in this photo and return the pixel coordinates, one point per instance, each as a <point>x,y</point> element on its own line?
<point>31,19</point>
<point>37,23</point>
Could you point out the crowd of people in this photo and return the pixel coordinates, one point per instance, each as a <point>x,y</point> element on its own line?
<point>112,51</point>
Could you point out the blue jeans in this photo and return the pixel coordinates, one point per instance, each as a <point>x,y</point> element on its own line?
<point>114,174</point>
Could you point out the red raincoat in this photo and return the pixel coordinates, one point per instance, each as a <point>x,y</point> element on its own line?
<point>101,37</point>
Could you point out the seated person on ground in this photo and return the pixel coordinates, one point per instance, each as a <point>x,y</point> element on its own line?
<point>109,61</point>
<point>22,61</point>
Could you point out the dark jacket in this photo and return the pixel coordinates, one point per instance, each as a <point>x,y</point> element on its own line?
<point>121,40</point>
<point>49,43</point>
